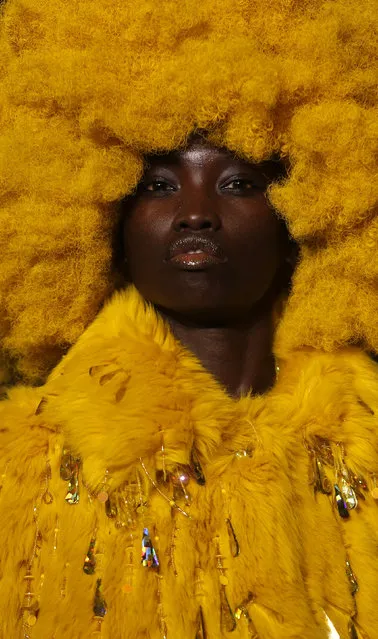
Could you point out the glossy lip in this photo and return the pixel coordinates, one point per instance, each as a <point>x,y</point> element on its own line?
<point>195,253</point>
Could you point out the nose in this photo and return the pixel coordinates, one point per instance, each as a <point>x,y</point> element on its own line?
<point>197,214</point>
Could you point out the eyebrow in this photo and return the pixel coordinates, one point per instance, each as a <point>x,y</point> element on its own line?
<point>272,169</point>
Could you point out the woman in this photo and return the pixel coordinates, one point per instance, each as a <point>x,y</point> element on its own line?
<point>203,459</point>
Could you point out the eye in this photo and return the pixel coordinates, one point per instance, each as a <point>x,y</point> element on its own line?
<point>240,185</point>
<point>158,186</point>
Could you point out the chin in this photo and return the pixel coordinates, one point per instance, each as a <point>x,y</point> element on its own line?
<point>205,300</point>
<point>213,313</point>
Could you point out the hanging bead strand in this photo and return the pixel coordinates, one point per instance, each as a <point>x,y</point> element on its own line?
<point>129,565</point>
<point>228,622</point>
<point>63,585</point>
<point>171,502</point>
<point>242,611</point>
<point>200,625</point>
<point>346,482</point>
<point>30,604</point>
<point>162,619</point>
<point>199,593</point>
<point>56,535</point>
<point>69,471</point>
<point>89,566</point>
<point>233,540</point>
<point>100,608</point>
<point>354,588</point>
<point>171,550</point>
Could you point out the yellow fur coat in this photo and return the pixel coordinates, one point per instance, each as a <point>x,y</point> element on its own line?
<point>259,549</point>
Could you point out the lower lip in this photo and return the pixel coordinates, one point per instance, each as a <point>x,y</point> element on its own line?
<point>195,261</point>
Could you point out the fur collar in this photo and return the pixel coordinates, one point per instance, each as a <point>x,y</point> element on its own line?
<point>128,388</point>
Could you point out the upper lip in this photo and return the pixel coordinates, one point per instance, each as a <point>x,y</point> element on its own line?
<point>195,243</point>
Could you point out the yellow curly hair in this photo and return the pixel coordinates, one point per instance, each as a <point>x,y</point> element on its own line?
<point>88,88</point>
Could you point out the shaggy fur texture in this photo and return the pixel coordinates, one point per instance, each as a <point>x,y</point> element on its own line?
<point>124,385</point>
<point>88,87</point>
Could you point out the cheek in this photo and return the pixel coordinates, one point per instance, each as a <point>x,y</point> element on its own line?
<point>264,246</point>
<point>143,236</point>
<point>255,237</point>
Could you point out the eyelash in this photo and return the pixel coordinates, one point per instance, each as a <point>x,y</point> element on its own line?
<point>243,184</point>
<point>155,183</point>
<point>236,184</point>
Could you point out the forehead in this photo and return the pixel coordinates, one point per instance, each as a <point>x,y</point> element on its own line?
<point>196,153</point>
<point>200,153</point>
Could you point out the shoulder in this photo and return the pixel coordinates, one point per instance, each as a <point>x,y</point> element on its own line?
<point>364,377</point>
<point>25,434</point>
<point>29,454</point>
<point>333,397</point>
<point>348,379</point>
<point>342,406</point>
<point>341,376</point>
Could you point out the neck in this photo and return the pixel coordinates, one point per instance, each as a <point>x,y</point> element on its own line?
<point>239,354</point>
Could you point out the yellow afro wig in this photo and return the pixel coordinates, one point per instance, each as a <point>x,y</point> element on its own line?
<point>88,88</point>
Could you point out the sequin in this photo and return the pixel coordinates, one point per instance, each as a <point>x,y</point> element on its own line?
<point>333,634</point>
<point>234,544</point>
<point>73,496</point>
<point>99,604</point>
<point>238,612</point>
<point>322,483</point>
<point>149,556</point>
<point>111,509</point>
<point>360,482</point>
<point>351,578</point>
<point>180,478</point>
<point>340,503</point>
<point>348,494</point>
<point>352,630</point>
<point>47,498</point>
<point>103,496</point>
<point>41,406</point>
<point>65,466</point>
<point>31,620</point>
<point>228,621</point>
<point>89,566</point>
<point>196,468</point>
<point>242,611</point>
<point>69,471</point>
<point>38,544</point>
<point>30,606</point>
<point>200,625</point>
<point>121,391</point>
<point>241,454</point>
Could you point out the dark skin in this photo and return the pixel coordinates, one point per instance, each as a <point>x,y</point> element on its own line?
<point>203,245</point>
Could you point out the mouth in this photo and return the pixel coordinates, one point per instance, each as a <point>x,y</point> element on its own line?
<point>195,253</point>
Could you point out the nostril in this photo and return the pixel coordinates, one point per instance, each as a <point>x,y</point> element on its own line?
<point>195,224</point>
<point>195,221</point>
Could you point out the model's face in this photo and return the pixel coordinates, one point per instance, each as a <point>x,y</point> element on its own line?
<point>200,239</point>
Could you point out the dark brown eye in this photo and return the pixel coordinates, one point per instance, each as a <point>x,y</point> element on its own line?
<point>158,185</point>
<point>240,184</point>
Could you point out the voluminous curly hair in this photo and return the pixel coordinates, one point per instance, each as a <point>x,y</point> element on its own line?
<point>88,88</point>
